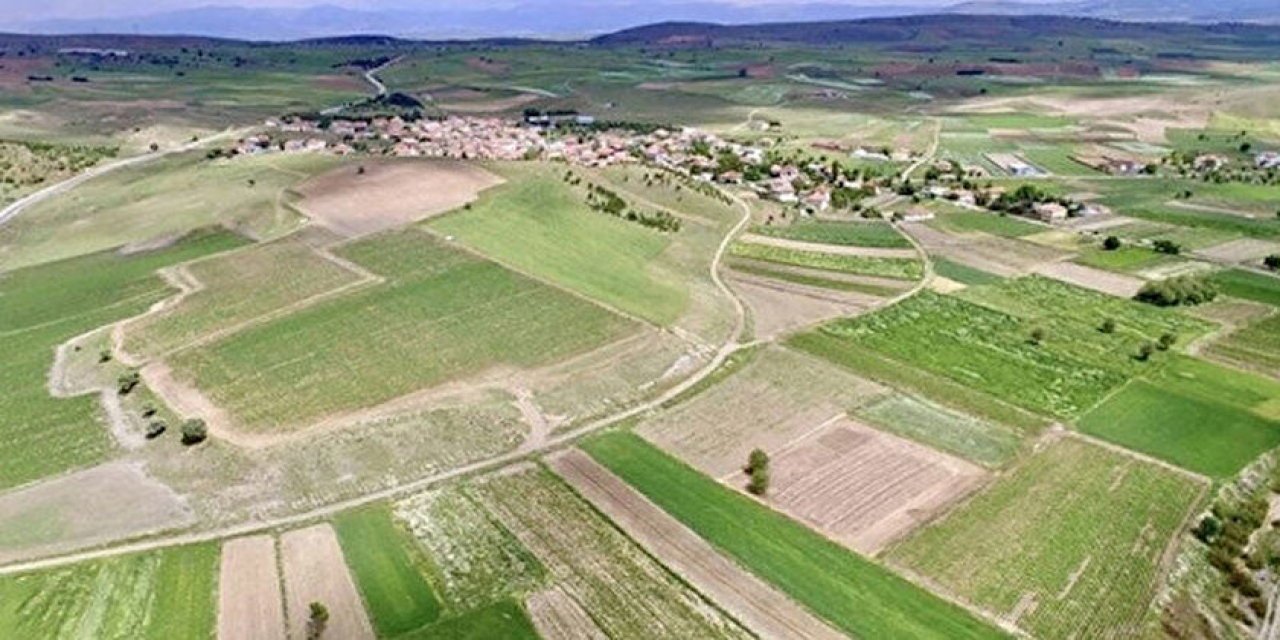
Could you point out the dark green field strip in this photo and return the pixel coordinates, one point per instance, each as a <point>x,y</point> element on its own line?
<point>856,595</point>
<point>1194,414</point>
<point>1248,285</point>
<point>852,234</point>
<point>762,269</point>
<point>505,619</point>
<point>387,566</point>
<point>964,274</point>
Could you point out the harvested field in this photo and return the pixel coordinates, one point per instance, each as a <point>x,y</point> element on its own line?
<point>249,604</point>
<point>390,194</point>
<point>776,399</point>
<point>780,307</point>
<point>863,487</point>
<point>101,504</point>
<point>763,610</point>
<point>315,571</point>
<point>1115,284</point>
<point>1069,544</point>
<point>627,592</point>
<point>1005,257</point>
<point>556,616</point>
<point>1238,251</point>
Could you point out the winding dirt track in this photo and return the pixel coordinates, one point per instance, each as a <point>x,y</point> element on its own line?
<point>758,606</point>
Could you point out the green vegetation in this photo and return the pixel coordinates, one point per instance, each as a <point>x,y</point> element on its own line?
<point>47,305</point>
<point>158,595</point>
<point>504,619</point>
<point>901,268</point>
<point>1198,415</point>
<point>1006,226</point>
<point>963,274</point>
<point>763,269</point>
<point>988,444</point>
<point>1079,528</point>
<point>387,567</point>
<point>856,595</point>
<point>1248,285</point>
<point>1178,291</point>
<point>538,224</point>
<point>1128,259</point>
<point>1255,346</point>
<point>855,234</point>
<point>443,313</point>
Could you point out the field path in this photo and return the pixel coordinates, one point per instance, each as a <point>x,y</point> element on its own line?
<point>758,606</point>
<point>731,346</point>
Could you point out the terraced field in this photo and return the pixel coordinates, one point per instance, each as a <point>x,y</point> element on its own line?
<point>442,314</point>
<point>158,595</point>
<point>1071,543</point>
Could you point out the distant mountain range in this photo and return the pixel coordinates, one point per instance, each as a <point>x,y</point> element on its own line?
<point>579,18</point>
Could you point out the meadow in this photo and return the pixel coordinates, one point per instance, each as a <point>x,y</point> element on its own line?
<point>1201,416</point>
<point>900,268</point>
<point>387,566</point>
<point>964,274</point>
<point>1128,259</point>
<point>854,234</point>
<point>1068,544</point>
<point>956,220</point>
<point>854,594</point>
<point>1248,285</point>
<point>442,314</point>
<point>157,595</point>
<point>48,305</point>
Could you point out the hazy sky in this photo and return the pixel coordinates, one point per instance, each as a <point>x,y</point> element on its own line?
<point>16,11</point>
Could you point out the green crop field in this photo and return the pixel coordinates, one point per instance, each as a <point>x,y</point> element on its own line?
<point>442,314</point>
<point>47,305</point>
<point>809,278</point>
<point>1248,285</point>
<point>962,221</point>
<point>963,274</point>
<point>387,566</point>
<point>1125,259</point>
<point>237,289</point>
<point>854,594</point>
<point>901,268</point>
<point>540,225</point>
<point>1195,414</point>
<point>855,234</point>
<point>505,619</point>
<point>158,595</point>
<point>1069,543</point>
<point>984,442</point>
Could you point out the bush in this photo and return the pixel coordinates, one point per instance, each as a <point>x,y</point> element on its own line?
<point>1107,326</point>
<point>1167,247</point>
<point>155,429</point>
<point>1183,290</point>
<point>1145,351</point>
<point>1272,261</point>
<point>127,382</point>
<point>1037,336</point>
<point>1111,243</point>
<point>317,620</point>
<point>1167,341</point>
<point>194,432</point>
<point>757,470</point>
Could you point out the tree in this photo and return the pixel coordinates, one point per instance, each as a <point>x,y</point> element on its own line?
<point>1182,290</point>
<point>1167,341</point>
<point>757,472</point>
<point>1272,262</point>
<point>1037,336</point>
<point>1111,243</point>
<point>317,621</point>
<point>1167,247</point>
<point>127,382</point>
<point>1108,326</point>
<point>1145,351</point>
<point>194,432</point>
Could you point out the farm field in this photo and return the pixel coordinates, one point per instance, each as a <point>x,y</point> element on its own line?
<point>1070,543</point>
<point>955,220</point>
<point>151,596</point>
<point>387,568</point>
<point>1195,414</point>
<point>314,570</point>
<point>963,274</point>
<point>853,594</point>
<point>249,600</point>
<point>854,234</point>
<point>1127,259</point>
<point>987,443</point>
<point>48,305</point>
<point>1255,347</point>
<point>900,268</point>
<point>480,315</point>
<point>1248,285</point>
<point>1001,256</point>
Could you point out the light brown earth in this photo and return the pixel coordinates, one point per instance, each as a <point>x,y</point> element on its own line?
<point>779,307</point>
<point>491,105</point>
<point>1090,278</point>
<point>556,616</point>
<point>315,571</point>
<point>95,506</point>
<point>1002,256</point>
<point>390,193</point>
<point>1242,250</point>
<point>870,252</point>
<point>771,402</point>
<point>863,487</point>
<point>249,604</point>
<point>758,606</point>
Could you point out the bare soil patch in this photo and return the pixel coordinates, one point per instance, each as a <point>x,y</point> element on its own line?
<point>390,194</point>
<point>101,504</point>
<point>780,307</point>
<point>1090,278</point>
<point>863,487</point>
<point>1001,256</point>
<point>1237,251</point>
<point>249,604</point>
<point>557,616</point>
<point>758,606</point>
<point>315,571</point>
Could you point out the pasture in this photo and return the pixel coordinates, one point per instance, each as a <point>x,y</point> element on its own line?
<point>156,595</point>
<point>48,305</point>
<point>1070,543</point>
<point>442,314</point>
<point>1195,414</point>
<point>854,594</point>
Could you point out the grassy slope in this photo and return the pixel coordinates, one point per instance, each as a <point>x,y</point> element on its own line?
<point>442,314</point>
<point>538,224</point>
<point>856,595</point>
<point>46,305</point>
<point>1195,414</point>
<point>384,562</point>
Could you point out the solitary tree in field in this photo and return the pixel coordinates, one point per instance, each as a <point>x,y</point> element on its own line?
<point>757,472</point>
<point>1167,341</point>
<point>317,621</point>
<point>1145,351</point>
<point>1037,336</point>
<point>1272,262</point>
<point>1111,243</point>
<point>194,431</point>
<point>1108,326</point>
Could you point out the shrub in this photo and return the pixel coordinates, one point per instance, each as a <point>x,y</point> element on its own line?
<point>1183,290</point>
<point>757,470</point>
<point>1272,261</point>
<point>1037,336</point>
<point>194,432</point>
<point>127,382</point>
<point>1111,243</point>
<point>1107,326</point>
<point>155,428</point>
<point>317,620</point>
<point>1167,341</point>
<point>1145,351</point>
<point>1167,247</point>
